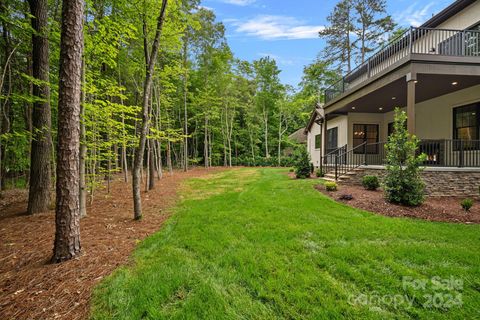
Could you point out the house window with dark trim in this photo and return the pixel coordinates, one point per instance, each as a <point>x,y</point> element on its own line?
<point>466,125</point>
<point>318,141</point>
<point>365,133</point>
<point>332,139</point>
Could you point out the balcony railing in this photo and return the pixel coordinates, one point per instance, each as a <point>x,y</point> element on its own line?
<point>444,42</point>
<point>439,153</point>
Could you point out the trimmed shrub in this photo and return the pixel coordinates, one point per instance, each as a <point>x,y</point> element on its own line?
<point>370,182</point>
<point>302,164</point>
<point>319,173</point>
<point>467,204</point>
<point>331,186</point>
<point>402,183</point>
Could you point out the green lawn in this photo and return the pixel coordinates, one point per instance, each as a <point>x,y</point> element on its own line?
<point>255,244</point>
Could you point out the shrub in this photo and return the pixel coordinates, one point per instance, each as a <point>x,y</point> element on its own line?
<point>402,183</point>
<point>331,186</point>
<point>291,170</point>
<point>319,173</point>
<point>467,204</point>
<point>370,182</point>
<point>302,164</point>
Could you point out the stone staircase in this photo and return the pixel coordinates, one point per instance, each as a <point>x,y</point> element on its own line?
<point>330,175</point>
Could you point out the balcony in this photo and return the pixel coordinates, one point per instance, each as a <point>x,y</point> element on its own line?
<point>420,41</point>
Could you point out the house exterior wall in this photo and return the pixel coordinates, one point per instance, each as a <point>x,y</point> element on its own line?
<point>341,123</point>
<point>434,117</point>
<point>312,151</point>
<point>464,19</point>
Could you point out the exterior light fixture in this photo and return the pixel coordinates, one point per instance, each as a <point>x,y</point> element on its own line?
<point>454,83</point>
<point>353,108</point>
<point>393,98</point>
<point>380,108</point>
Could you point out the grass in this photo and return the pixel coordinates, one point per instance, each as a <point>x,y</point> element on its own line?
<point>255,244</point>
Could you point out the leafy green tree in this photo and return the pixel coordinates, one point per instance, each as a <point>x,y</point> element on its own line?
<point>403,183</point>
<point>302,163</point>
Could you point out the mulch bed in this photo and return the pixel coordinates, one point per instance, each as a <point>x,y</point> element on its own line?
<point>33,288</point>
<point>445,209</point>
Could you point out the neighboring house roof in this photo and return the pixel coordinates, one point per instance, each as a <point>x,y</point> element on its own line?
<point>447,13</point>
<point>299,136</point>
<point>317,114</point>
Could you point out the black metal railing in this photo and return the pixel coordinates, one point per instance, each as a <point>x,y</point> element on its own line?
<point>349,160</point>
<point>445,42</point>
<point>439,153</point>
<point>327,162</point>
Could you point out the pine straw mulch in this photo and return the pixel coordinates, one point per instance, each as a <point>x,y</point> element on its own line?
<point>445,209</point>
<point>32,288</point>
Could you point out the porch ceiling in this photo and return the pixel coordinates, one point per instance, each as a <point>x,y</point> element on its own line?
<point>394,94</point>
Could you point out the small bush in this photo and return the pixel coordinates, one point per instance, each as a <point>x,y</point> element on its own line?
<point>319,173</point>
<point>370,182</point>
<point>467,204</point>
<point>302,164</point>
<point>331,186</point>
<point>291,170</point>
<point>402,183</point>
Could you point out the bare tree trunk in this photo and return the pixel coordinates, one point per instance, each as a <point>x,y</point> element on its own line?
<point>67,211</point>
<point>138,162</point>
<point>151,180</point>
<point>39,195</point>
<point>83,150</point>
<point>205,149</point>
<point>185,91</point>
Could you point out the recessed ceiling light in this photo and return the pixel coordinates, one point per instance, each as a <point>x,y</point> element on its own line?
<point>393,98</point>
<point>353,108</point>
<point>454,83</point>
<point>380,108</point>
<point>416,81</point>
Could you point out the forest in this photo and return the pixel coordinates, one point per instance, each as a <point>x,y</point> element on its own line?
<point>90,90</point>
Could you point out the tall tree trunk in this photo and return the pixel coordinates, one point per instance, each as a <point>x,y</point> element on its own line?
<point>185,111</point>
<point>83,150</point>
<point>67,211</point>
<point>138,162</point>
<point>39,195</point>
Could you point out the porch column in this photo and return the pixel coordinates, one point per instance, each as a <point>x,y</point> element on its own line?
<point>411,82</point>
<point>324,138</point>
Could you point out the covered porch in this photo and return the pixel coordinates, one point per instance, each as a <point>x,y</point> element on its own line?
<point>442,103</point>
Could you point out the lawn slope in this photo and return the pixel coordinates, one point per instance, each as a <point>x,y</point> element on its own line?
<point>255,244</point>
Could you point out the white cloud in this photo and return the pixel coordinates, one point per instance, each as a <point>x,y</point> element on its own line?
<point>272,27</point>
<point>239,2</point>
<point>415,15</point>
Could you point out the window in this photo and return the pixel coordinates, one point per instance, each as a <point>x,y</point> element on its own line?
<point>332,139</point>
<point>365,133</point>
<point>318,141</point>
<point>466,124</point>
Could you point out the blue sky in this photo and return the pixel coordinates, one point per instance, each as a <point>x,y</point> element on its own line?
<point>288,30</point>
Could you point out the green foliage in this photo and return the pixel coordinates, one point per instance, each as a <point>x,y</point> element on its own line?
<point>402,183</point>
<point>331,186</point>
<point>467,204</point>
<point>319,173</point>
<point>370,182</point>
<point>302,164</point>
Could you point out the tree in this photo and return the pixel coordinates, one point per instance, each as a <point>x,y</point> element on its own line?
<point>268,91</point>
<point>67,211</point>
<point>150,62</point>
<point>40,164</point>
<point>372,25</point>
<point>339,47</point>
<point>403,184</point>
